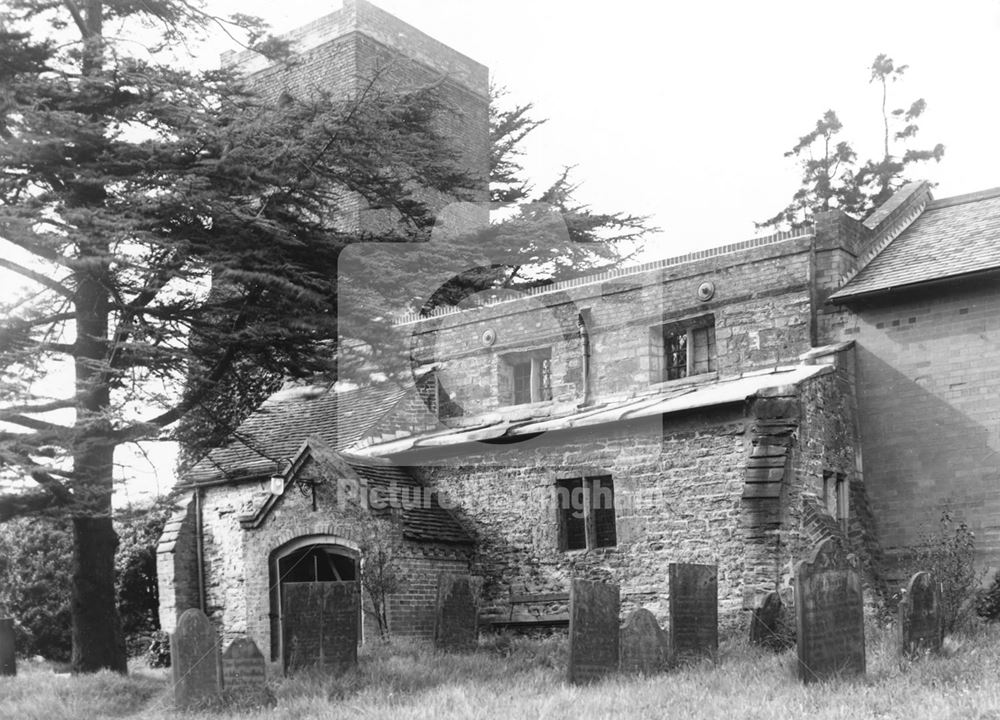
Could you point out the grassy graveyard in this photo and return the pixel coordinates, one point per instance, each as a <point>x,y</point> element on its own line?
<point>514,677</point>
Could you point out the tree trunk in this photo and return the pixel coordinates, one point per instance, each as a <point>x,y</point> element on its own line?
<point>98,640</point>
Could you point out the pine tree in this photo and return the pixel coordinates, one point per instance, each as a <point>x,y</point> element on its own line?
<point>831,177</point>
<point>129,189</point>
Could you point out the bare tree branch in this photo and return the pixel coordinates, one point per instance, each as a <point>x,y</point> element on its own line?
<point>31,423</point>
<point>37,277</point>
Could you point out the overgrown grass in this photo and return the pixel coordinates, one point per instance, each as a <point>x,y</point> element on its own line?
<point>522,678</point>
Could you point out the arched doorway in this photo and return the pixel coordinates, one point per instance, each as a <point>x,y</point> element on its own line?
<point>322,562</point>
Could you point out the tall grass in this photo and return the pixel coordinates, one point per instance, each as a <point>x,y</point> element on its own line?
<point>521,678</point>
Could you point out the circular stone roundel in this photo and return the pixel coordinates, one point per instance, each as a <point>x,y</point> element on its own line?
<point>706,291</point>
<point>489,337</point>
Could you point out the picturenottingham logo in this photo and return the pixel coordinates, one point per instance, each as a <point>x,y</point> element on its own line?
<point>470,323</point>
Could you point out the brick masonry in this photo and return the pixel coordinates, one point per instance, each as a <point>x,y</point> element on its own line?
<point>928,377</point>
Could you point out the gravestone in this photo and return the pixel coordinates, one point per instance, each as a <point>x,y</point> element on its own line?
<point>456,622</point>
<point>829,615</point>
<point>766,629</point>
<point>8,660</point>
<point>321,622</point>
<point>644,645</point>
<point>921,624</point>
<point>593,630</point>
<point>194,661</point>
<point>244,677</point>
<point>694,611</point>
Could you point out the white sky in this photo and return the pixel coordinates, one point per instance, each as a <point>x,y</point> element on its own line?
<point>683,111</point>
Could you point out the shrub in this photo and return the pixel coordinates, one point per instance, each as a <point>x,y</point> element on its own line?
<point>135,571</point>
<point>35,579</point>
<point>158,653</point>
<point>988,606</point>
<point>949,553</point>
<point>35,573</point>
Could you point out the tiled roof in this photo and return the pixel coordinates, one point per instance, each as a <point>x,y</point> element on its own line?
<point>390,489</point>
<point>954,236</point>
<point>423,517</point>
<point>276,431</point>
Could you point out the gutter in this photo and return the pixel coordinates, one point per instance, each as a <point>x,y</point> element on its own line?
<point>199,535</point>
<point>915,286</point>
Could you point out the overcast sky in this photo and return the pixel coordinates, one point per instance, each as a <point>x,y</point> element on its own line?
<point>683,111</point>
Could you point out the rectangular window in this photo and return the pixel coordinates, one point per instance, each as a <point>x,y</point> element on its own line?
<point>572,521</point>
<point>586,513</point>
<point>688,348</point>
<point>521,377</point>
<point>835,497</point>
<point>527,377</point>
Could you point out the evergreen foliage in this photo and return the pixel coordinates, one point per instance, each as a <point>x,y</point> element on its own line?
<point>831,175</point>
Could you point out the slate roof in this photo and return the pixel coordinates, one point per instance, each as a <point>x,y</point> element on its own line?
<point>276,431</point>
<point>422,520</point>
<point>952,237</point>
<point>390,489</point>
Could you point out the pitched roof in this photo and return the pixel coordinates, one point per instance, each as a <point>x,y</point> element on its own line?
<point>388,489</point>
<point>275,432</point>
<point>953,237</point>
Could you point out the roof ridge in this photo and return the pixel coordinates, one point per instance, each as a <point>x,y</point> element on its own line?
<point>963,199</point>
<point>889,235</point>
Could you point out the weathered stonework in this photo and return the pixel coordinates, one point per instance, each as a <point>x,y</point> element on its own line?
<point>740,467</point>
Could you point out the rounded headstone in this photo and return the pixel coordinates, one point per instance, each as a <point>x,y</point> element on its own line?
<point>194,658</point>
<point>644,647</point>
<point>921,623</point>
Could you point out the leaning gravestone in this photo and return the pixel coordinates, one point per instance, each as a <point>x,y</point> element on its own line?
<point>765,623</point>
<point>644,645</point>
<point>456,622</point>
<point>829,615</point>
<point>243,674</point>
<point>921,624</point>
<point>321,625</point>
<point>694,611</point>
<point>194,661</point>
<point>8,660</point>
<point>593,630</point>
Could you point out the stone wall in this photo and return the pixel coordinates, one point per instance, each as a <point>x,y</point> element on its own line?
<point>760,307</point>
<point>177,564</point>
<point>677,485</point>
<point>236,561</point>
<point>813,428</point>
<point>928,373</point>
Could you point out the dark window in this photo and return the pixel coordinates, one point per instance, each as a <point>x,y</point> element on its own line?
<point>572,521</point>
<point>688,348</point>
<point>315,564</point>
<point>586,510</point>
<point>675,356</point>
<point>604,512</point>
